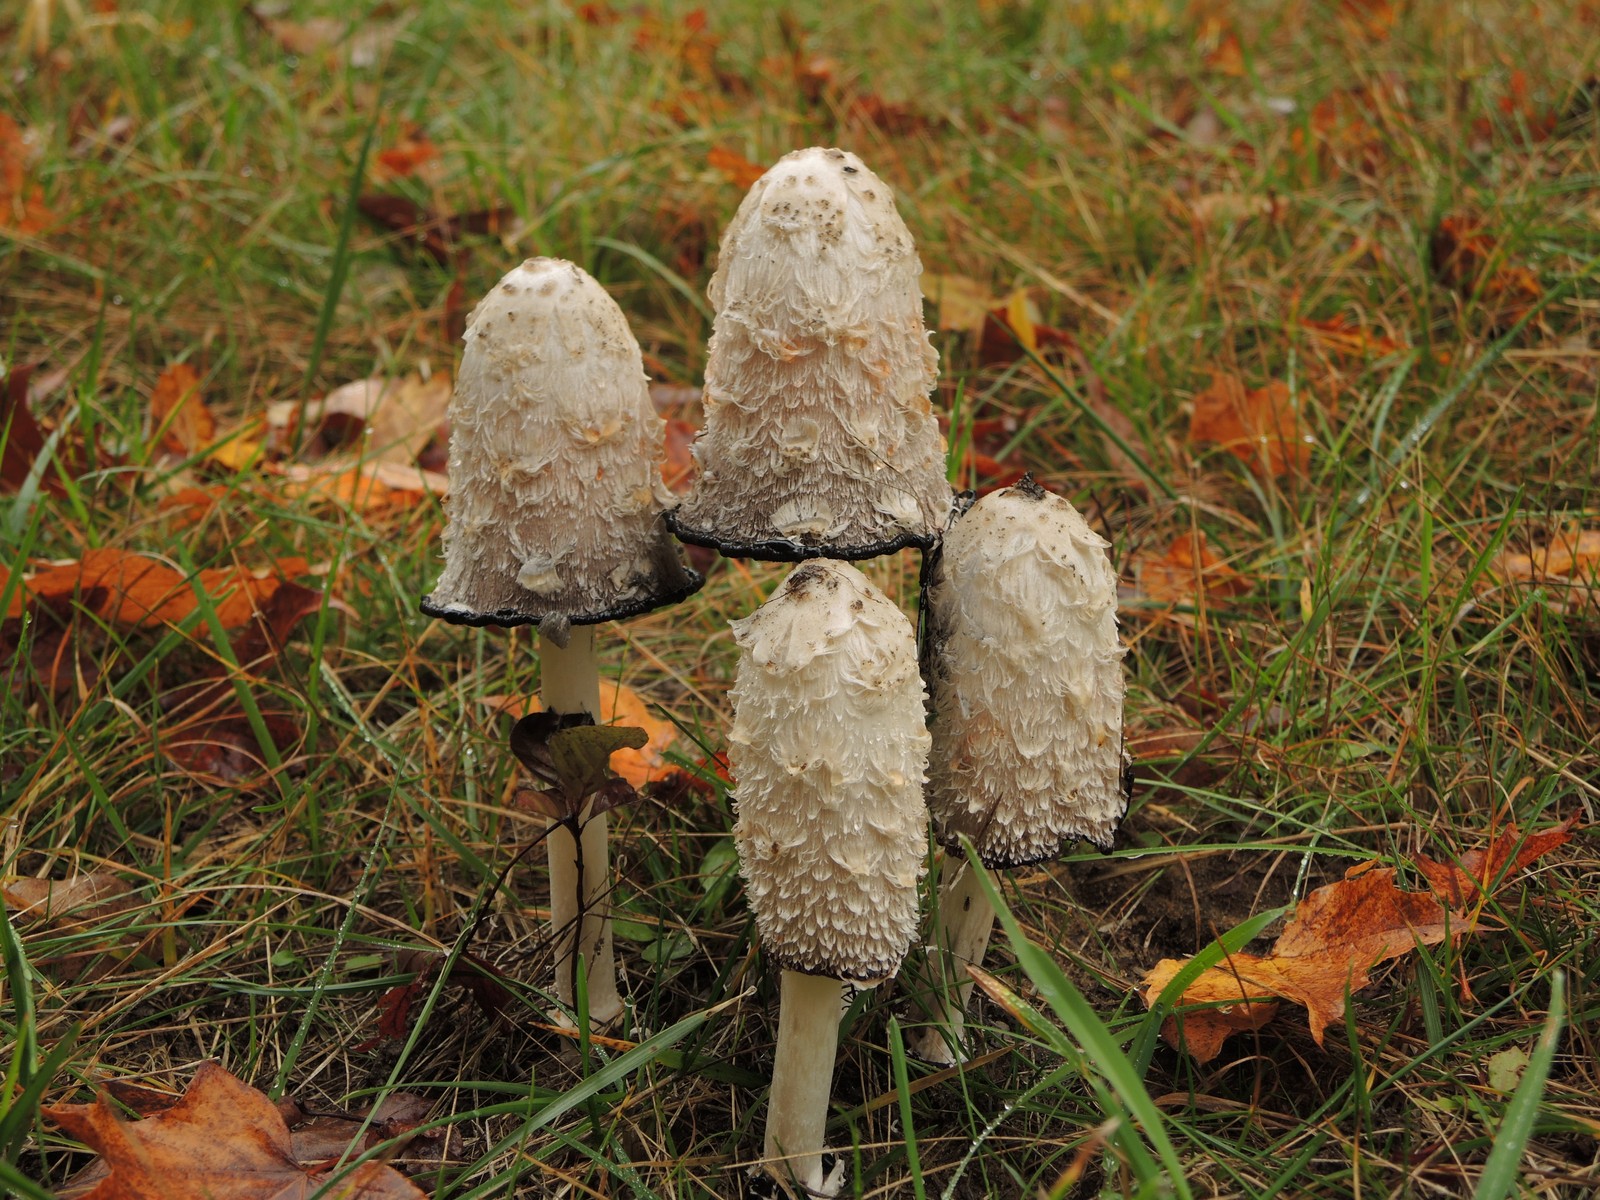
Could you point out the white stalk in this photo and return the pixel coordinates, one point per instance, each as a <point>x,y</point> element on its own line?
<point>960,936</point>
<point>809,1008</point>
<point>569,682</point>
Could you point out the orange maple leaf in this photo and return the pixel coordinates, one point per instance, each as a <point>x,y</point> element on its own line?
<point>619,705</point>
<point>1259,426</point>
<point>1339,933</point>
<point>1188,572</point>
<point>135,591</point>
<point>222,1139</point>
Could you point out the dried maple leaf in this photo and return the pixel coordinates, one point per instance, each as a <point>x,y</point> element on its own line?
<point>206,731</point>
<point>224,1140</point>
<point>135,591</point>
<point>1338,934</point>
<point>179,413</point>
<point>738,169</point>
<point>1258,426</point>
<point>1187,573</point>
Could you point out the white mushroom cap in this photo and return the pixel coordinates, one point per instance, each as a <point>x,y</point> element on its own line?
<point>819,438</point>
<point>1025,670</point>
<point>829,750</point>
<point>555,455</point>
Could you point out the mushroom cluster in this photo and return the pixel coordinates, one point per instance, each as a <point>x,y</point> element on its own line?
<point>820,447</point>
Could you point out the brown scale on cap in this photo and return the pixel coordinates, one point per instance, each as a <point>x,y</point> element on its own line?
<point>819,438</point>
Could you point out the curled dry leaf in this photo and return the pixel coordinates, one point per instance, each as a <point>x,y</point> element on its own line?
<point>619,705</point>
<point>960,303</point>
<point>569,756</point>
<point>1339,933</point>
<point>1258,426</point>
<point>135,591</point>
<point>224,1140</point>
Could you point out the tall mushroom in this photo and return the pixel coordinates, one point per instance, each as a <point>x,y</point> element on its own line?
<point>555,521</point>
<point>819,438</point>
<point>829,748</point>
<point>1024,669</point>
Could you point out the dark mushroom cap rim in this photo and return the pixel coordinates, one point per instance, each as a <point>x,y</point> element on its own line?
<point>508,618</point>
<point>789,550</point>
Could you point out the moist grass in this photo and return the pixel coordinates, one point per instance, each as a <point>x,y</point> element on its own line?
<point>1376,691</point>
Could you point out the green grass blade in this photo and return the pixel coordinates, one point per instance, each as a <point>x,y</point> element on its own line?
<point>1504,1168</point>
<point>1102,1052</point>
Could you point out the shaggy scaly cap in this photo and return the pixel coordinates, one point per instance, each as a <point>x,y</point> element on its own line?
<point>830,753</point>
<point>1025,670</point>
<point>555,455</point>
<point>819,438</point>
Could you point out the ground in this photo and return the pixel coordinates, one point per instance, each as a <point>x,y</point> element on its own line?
<point>1295,302</point>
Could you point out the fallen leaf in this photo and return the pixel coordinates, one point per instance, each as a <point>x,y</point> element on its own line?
<point>21,439</point>
<point>1231,208</point>
<point>223,1140</point>
<point>960,303</point>
<point>1258,426</point>
<point>361,44</point>
<point>1569,566</point>
<point>135,591</point>
<point>1467,259</point>
<point>480,979</point>
<point>74,913</point>
<point>206,731</point>
<point>1372,19</point>
<point>1504,1069</point>
<point>1338,934</point>
<point>22,205</point>
<point>1347,338</point>
<point>179,414</point>
<point>1014,327</point>
<point>438,234</point>
<point>619,705</point>
<point>1187,573</point>
<point>896,119</point>
<point>410,153</point>
<point>385,423</point>
<point>740,171</point>
<point>1215,1006</point>
<point>678,469</point>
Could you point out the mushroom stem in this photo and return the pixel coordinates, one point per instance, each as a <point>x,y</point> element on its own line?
<point>569,682</point>
<point>809,1008</point>
<point>960,935</point>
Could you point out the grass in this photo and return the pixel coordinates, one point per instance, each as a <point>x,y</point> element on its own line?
<point>1377,692</point>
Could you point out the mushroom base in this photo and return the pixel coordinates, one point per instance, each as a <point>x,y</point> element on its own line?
<point>809,1008</point>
